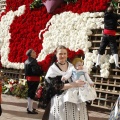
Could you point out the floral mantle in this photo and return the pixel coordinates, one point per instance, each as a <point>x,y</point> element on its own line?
<point>13,87</point>
<point>21,29</point>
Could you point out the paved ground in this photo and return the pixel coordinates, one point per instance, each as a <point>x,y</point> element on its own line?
<point>15,109</point>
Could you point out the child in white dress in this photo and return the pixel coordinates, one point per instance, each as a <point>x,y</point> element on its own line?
<point>80,94</point>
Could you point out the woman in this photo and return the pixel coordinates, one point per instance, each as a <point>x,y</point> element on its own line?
<point>60,110</point>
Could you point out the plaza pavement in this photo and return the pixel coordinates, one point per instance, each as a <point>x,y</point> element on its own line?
<point>15,109</point>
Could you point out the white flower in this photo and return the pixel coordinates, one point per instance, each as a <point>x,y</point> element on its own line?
<point>104,73</point>
<point>5,36</point>
<point>70,30</point>
<point>22,81</point>
<point>8,86</point>
<point>111,60</point>
<point>20,11</point>
<point>11,81</point>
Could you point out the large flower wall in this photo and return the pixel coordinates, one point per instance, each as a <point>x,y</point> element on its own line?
<point>21,29</point>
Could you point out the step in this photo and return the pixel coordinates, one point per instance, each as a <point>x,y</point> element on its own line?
<point>104,99</point>
<point>108,108</point>
<point>117,34</point>
<point>96,48</point>
<point>98,41</point>
<point>106,84</point>
<point>110,76</point>
<point>115,70</point>
<point>104,91</point>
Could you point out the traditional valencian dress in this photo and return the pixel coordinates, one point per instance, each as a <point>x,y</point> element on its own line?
<point>80,94</point>
<point>60,110</point>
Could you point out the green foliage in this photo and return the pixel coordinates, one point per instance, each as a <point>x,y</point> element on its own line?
<point>68,1</point>
<point>114,3</point>
<point>15,89</point>
<point>20,91</point>
<point>36,4</point>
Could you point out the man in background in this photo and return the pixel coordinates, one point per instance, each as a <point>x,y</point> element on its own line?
<point>109,36</point>
<point>32,73</point>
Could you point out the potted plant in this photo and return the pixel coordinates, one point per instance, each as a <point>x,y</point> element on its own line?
<point>50,5</point>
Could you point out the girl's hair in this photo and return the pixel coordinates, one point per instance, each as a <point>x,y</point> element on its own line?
<point>75,60</point>
<point>60,47</point>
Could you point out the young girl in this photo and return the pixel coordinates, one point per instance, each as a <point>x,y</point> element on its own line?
<point>80,94</point>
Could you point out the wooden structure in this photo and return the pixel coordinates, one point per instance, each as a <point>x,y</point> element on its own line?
<point>107,89</point>
<point>2,5</point>
<point>13,73</point>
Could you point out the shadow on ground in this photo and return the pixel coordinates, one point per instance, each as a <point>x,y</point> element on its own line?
<point>15,104</point>
<point>23,114</point>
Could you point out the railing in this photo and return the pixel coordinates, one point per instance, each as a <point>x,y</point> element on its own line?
<point>107,89</point>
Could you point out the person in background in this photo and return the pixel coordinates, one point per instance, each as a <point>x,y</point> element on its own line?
<point>32,73</point>
<point>57,109</point>
<point>109,36</point>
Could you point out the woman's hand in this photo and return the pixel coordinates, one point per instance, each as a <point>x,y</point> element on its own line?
<point>91,84</point>
<point>79,83</point>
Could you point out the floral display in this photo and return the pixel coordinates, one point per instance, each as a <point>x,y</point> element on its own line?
<point>69,25</point>
<point>13,87</point>
<point>72,33</point>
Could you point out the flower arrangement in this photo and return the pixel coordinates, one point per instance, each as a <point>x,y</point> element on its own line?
<point>21,89</point>
<point>20,28</point>
<point>13,87</point>
<point>9,86</point>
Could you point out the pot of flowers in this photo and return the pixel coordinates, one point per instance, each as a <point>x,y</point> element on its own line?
<point>50,5</point>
